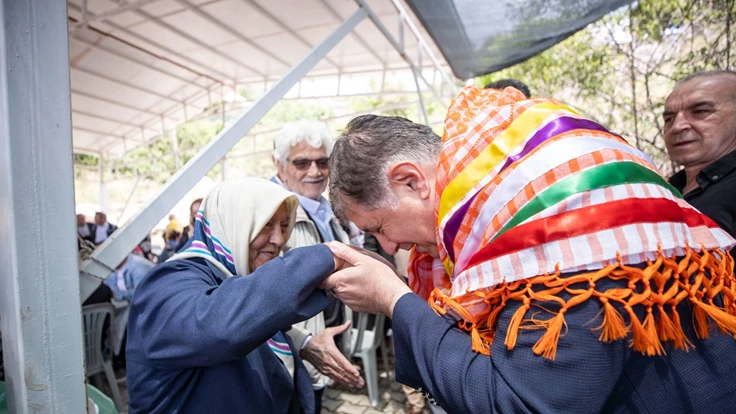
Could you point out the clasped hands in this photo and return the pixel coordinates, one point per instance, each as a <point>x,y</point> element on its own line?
<point>364,281</point>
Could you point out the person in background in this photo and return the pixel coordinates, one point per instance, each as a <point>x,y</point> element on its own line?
<point>170,248</point>
<point>173,226</point>
<point>552,270</point>
<point>205,332</point>
<point>86,230</point>
<point>700,134</point>
<point>514,83</point>
<point>188,231</point>
<point>301,154</point>
<point>127,276</point>
<point>103,229</point>
<point>144,248</point>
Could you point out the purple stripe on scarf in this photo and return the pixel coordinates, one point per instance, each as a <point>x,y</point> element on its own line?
<point>219,249</point>
<point>559,126</point>
<point>199,244</point>
<point>281,347</point>
<point>453,224</point>
<point>554,128</point>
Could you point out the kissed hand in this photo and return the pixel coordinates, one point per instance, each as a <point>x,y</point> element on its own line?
<point>364,283</point>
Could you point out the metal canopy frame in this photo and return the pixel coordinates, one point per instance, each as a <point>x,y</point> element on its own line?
<point>114,249</point>
<point>39,287</point>
<point>114,34</point>
<point>40,299</point>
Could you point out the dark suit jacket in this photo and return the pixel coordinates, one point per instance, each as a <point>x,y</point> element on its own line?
<point>197,341</point>
<point>587,376</point>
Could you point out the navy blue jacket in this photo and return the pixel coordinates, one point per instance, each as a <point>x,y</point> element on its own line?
<point>587,376</point>
<point>197,341</point>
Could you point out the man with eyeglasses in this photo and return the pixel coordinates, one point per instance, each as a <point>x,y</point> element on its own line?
<point>301,154</point>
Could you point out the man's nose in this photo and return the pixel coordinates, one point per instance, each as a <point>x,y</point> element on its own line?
<point>313,169</point>
<point>387,245</point>
<point>679,124</point>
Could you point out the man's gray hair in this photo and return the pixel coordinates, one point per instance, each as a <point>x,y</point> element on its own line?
<point>705,75</point>
<point>314,133</point>
<point>364,152</point>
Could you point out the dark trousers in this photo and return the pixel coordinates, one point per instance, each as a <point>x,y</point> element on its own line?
<point>318,400</point>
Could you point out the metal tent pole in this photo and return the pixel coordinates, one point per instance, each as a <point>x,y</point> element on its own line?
<point>39,285</point>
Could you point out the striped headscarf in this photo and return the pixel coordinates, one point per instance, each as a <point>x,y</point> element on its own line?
<point>229,219</point>
<point>529,190</point>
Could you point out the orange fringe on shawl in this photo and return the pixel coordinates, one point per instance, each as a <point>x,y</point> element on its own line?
<point>699,278</point>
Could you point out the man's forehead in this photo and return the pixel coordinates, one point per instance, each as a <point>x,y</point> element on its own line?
<point>363,218</point>
<point>303,149</point>
<point>715,88</point>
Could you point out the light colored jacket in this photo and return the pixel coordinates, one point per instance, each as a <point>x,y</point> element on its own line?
<point>305,233</point>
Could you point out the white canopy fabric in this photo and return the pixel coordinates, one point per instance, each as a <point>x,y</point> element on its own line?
<point>139,68</point>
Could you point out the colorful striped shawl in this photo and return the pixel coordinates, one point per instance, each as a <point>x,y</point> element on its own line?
<point>528,188</point>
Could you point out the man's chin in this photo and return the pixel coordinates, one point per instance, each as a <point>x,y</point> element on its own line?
<point>430,250</point>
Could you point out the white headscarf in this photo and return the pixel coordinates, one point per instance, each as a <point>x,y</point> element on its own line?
<point>231,217</point>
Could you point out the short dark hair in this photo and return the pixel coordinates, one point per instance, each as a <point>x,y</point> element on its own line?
<point>101,215</point>
<point>515,83</point>
<point>705,74</point>
<point>364,151</point>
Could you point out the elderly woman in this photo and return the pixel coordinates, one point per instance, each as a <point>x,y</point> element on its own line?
<point>205,332</point>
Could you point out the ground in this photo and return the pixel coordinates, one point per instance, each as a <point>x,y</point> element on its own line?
<point>339,400</point>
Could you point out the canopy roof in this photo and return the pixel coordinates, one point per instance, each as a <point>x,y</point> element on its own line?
<point>478,37</point>
<point>140,68</point>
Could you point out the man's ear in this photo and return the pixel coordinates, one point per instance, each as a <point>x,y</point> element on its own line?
<point>408,176</point>
<point>280,168</point>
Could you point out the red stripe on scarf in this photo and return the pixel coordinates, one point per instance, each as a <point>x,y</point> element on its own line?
<point>589,220</point>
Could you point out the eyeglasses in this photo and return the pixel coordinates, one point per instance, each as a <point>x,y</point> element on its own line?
<point>303,164</point>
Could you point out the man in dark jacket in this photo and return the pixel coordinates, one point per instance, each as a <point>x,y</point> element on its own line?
<point>86,230</point>
<point>103,229</point>
<point>569,275</point>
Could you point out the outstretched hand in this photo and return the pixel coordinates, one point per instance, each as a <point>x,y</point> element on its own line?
<point>322,352</point>
<point>365,283</point>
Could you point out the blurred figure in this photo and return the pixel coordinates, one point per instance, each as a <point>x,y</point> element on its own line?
<point>103,228</point>
<point>514,83</point>
<point>170,248</point>
<point>188,231</point>
<point>173,226</point>
<point>127,276</point>
<point>86,230</point>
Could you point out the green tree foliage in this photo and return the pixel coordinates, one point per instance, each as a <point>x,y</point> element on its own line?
<point>620,69</point>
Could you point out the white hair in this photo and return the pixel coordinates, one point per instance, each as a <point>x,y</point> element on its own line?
<point>314,133</point>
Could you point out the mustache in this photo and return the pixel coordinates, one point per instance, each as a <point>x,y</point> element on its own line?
<point>313,180</point>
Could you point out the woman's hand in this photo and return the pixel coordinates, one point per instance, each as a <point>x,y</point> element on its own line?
<point>364,282</point>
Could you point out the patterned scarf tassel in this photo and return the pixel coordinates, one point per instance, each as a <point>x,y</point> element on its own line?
<point>713,275</point>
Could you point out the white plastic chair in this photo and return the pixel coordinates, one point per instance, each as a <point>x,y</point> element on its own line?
<point>94,321</point>
<point>364,343</point>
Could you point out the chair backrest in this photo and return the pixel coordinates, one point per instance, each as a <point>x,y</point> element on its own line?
<point>93,319</point>
<point>362,328</point>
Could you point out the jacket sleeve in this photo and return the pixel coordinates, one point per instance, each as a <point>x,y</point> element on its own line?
<point>304,234</point>
<point>298,333</point>
<point>433,354</point>
<point>184,320</point>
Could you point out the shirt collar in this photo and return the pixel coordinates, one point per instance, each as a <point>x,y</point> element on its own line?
<point>713,173</point>
<point>314,206</point>
<point>720,168</point>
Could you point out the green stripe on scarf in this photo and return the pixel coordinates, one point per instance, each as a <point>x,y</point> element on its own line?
<point>602,176</point>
